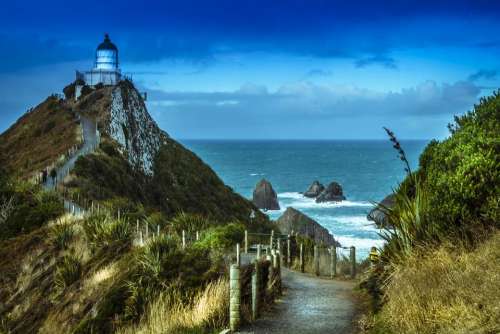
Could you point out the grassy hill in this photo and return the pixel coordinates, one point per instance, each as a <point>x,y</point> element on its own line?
<point>62,274</point>
<point>40,137</point>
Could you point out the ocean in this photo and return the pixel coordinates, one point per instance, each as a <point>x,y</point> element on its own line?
<point>367,171</point>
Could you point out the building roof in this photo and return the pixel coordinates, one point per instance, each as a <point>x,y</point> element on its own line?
<point>107,44</point>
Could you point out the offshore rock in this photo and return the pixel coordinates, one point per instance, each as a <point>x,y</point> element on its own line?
<point>314,190</point>
<point>332,193</point>
<point>378,214</point>
<point>296,221</point>
<point>264,196</point>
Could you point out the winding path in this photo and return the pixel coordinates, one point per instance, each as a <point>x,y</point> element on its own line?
<point>90,142</point>
<point>309,305</point>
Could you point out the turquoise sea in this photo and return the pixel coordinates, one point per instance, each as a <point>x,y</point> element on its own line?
<point>367,171</point>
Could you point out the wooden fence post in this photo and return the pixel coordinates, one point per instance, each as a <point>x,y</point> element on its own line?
<point>316,260</point>
<point>234,297</point>
<point>288,252</point>
<point>183,239</point>
<point>258,253</point>
<point>197,235</point>
<point>333,262</point>
<point>301,258</point>
<point>147,227</point>
<point>271,241</point>
<point>157,230</point>
<point>238,257</point>
<point>255,290</point>
<point>353,262</point>
<point>246,242</point>
<point>141,241</point>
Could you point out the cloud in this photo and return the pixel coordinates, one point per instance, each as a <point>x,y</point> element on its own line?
<point>484,74</point>
<point>307,110</point>
<point>385,61</point>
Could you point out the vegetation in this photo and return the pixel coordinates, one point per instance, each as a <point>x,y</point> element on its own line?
<point>423,285</point>
<point>25,207</point>
<point>102,230</point>
<point>447,290</point>
<point>68,271</point>
<point>222,237</point>
<point>61,235</point>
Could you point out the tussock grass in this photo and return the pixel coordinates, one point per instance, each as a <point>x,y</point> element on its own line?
<point>61,235</point>
<point>68,271</point>
<point>449,290</point>
<point>168,314</point>
<point>103,230</point>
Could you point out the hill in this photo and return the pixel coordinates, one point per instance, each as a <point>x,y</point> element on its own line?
<point>106,272</point>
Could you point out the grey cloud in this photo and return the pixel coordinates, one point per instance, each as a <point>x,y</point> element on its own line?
<point>483,74</point>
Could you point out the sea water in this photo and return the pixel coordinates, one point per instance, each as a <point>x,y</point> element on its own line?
<point>367,171</point>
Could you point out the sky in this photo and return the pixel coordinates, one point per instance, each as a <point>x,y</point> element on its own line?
<point>238,69</point>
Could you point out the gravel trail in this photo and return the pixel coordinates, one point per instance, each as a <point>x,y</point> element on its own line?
<point>309,305</point>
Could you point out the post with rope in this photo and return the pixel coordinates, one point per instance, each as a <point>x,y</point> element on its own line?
<point>255,289</point>
<point>333,262</point>
<point>301,258</point>
<point>234,297</point>
<point>316,260</point>
<point>288,252</point>
<point>353,262</point>
<point>246,242</point>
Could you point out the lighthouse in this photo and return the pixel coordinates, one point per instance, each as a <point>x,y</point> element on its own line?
<point>106,70</point>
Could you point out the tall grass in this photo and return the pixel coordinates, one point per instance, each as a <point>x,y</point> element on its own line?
<point>449,290</point>
<point>61,235</point>
<point>68,271</point>
<point>168,313</point>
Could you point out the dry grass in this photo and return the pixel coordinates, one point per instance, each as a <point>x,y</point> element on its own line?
<point>39,138</point>
<point>448,291</point>
<point>209,309</point>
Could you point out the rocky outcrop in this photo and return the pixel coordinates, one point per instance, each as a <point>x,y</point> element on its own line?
<point>296,221</point>
<point>378,215</point>
<point>314,190</point>
<point>332,193</point>
<point>130,124</point>
<point>264,196</point>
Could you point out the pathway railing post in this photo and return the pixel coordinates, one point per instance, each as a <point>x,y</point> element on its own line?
<point>183,239</point>
<point>316,260</point>
<point>258,253</point>
<point>301,258</point>
<point>353,262</point>
<point>238,257</point>
<point>246,242</point>
<point>333,262</point>
<point>234,297</point>
<point>271,241</point>
<point>255,290</point>
<point>288,252</point>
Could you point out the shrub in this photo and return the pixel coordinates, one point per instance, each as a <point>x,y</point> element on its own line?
<point>61,235</point>
<point>222,237</point>
<point>67,272</point>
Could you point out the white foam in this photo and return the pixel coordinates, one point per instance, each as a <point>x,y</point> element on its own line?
<point>298,201</point>
<point>257,174</point>
<point>292,195</point>
<point>359,243</point>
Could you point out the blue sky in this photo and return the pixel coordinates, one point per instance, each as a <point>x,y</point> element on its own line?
<point>265,69</point>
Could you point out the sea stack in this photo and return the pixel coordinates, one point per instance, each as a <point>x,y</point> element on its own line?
<point>332,193</point>
<point>294,220</point>
<point>378,215</point>
<point>314,190</point>
<point>264,196</point>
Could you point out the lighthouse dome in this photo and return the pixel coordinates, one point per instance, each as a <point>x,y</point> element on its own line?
<point>106,55</point>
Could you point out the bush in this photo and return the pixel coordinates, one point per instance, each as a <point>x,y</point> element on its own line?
<point>222,237</point>
<point>103,230</point>
<point>67,272</point>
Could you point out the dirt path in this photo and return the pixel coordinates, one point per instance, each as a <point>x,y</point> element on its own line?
<point>309,305</point>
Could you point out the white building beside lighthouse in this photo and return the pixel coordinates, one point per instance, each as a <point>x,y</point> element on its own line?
<point>106,69</point>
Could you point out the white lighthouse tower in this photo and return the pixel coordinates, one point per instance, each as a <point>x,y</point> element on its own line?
<point>106,69</point>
